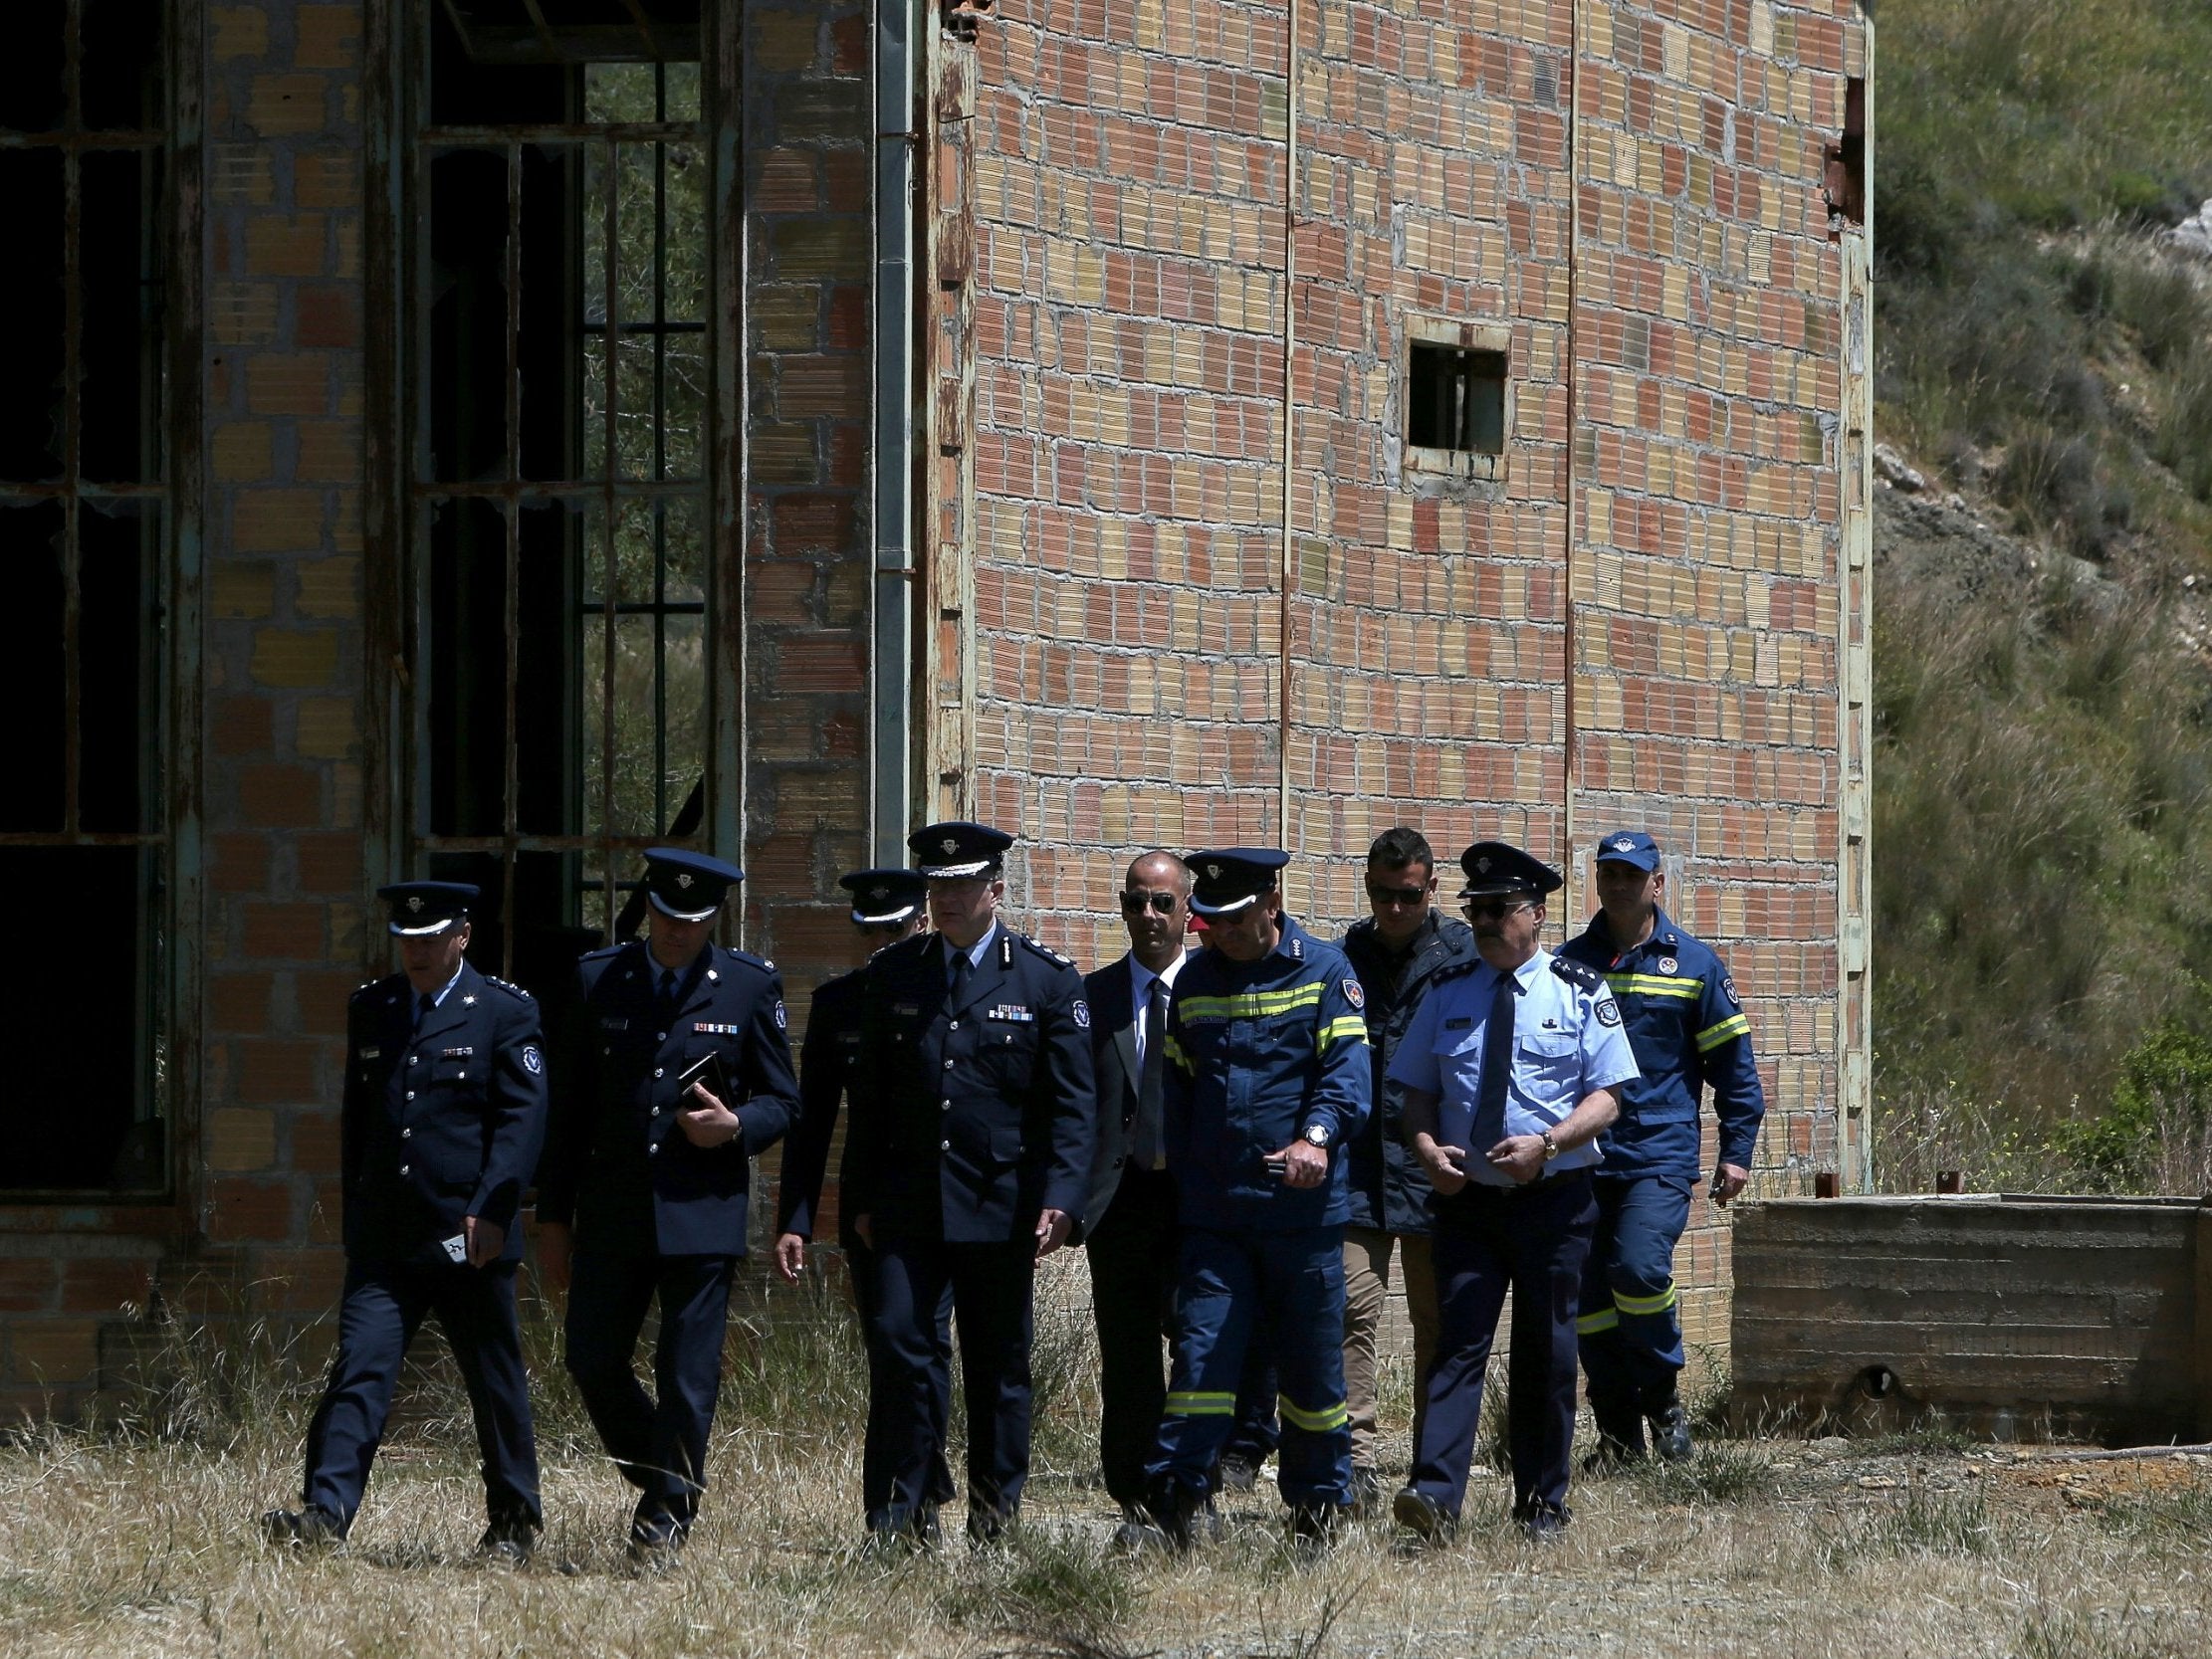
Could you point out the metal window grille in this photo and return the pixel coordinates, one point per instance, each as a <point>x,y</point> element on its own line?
<point>564,665</point>
<point>87,529</point>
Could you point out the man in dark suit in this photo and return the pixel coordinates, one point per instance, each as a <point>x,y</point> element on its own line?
<point>1127,1223</point>
<point>971,1150</point>
<point>675,1073</point>
<point>887,906</point>
<point>444,1114</point>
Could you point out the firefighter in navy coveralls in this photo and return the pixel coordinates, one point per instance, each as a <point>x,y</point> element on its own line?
<point>971,1148</point>
<point>887,906</point>
<point>643,1190</point>
<point>1267,1077</point>
<point>444,1115</point>
<point>1510,1069</point>
<point>1686,1025</point>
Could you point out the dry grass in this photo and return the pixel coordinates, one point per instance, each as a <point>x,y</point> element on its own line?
<point>126,1540</point>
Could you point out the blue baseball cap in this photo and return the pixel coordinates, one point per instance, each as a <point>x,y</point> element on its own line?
<point>1629,847</point>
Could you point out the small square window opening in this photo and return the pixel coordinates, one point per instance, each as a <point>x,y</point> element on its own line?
<point>1455,399</point>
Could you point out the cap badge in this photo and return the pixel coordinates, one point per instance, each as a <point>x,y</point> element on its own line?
<point>950,844</point>
<point>1483,865</point>
<point>683,877</point>
<point>414,901</point>
<point>1624,845</point>
<point>1212,871</point>
<point>879,894</point>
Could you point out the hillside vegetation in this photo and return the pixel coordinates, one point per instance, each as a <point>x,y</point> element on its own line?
<point>2043,655</point>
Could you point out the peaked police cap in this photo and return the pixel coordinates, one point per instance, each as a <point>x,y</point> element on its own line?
<point>686,886</point>
<point>1223,880</point>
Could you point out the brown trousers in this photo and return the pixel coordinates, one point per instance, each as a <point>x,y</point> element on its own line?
<point>1367,1264</point>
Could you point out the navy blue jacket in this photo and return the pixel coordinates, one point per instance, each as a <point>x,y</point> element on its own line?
<point>441,1122</point>
<point>1686,1025</point>
<point>1389,1188</point>
<point>619,1166</point>
<point>971,1116</point>
<point>826,1067</point>
<point>1257,1053</point>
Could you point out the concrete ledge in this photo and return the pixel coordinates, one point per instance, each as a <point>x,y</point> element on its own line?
<point>2009,1315</point>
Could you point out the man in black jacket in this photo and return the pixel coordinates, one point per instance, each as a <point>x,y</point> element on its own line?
<point>1397,951</point>
<point>674,1076</point>
<point>444,1115</point>
<point>971,1152</point>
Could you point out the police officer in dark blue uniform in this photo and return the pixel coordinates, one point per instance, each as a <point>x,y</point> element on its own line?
<point>970,1149</point>
<point>1510,1068</point>
<point>1266,1078</point>
<point>444,1115</point>
<point>887,906</point>
<point>1688,1030</point>
<point>675,1073</point>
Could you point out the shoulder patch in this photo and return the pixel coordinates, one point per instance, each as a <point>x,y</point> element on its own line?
<point>1728,990</point>
<point>1609,1012</point>
<point>1579,975</point>
<point>1083,1012</point>
<point>1355,993</point>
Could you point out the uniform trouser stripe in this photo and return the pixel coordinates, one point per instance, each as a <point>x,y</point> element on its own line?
<point>1315,1422</point>
<point>1191,1405</point>
<point>1658,1303</point>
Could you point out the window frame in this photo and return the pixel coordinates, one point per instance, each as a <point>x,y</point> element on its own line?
<point>399,833</point>
<point>1422,462</point>
<point>175,1014</point>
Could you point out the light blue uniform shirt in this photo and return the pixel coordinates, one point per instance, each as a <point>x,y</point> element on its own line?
<point>1568,1043</point>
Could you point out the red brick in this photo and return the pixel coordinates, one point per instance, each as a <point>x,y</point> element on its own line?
<point>105,1284</point>
<point>242,1208</point>
<point>238,862</point>
<point>242,726</point>
<point>271,796</point>
<point>287,245</point>
<point>330,862</point>
<point>26,1283</point>
<point>275,1073</point>
<point>316,1148</point>
<point>296,933</point>
<point>239,1002</point>
<point>328,317</point>
<point>322,999</point>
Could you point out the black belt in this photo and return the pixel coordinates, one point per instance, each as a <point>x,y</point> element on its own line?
<point>1542,1183</point>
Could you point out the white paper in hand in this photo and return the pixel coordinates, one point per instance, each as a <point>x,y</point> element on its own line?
<point>457,1246</point>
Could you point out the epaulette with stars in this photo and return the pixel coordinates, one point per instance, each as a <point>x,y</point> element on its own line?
<point>1579,975</point>
<point>1457,970</point>
<point>507,985</point>
<point>1045,951</point>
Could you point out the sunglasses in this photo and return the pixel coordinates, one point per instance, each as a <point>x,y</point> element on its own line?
<point>1481,909</point>
<point>1134,904</point>
<point>1394,895</point>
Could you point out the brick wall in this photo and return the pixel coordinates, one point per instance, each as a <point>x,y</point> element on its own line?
<point>1127,548</point>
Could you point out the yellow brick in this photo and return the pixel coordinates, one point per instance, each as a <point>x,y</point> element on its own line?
<point>277,521</point>
<point>286,103</point>
<point>329,587</point>
<point>327,37</point>
<point>241,1138</point>
<point>237,589</point>
<point>329,728</point>
<point>295,657</point>
<point>238,32</point>
<point>53,1351</point>
<point>239,452</point>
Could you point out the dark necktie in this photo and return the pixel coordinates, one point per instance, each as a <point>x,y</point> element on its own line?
<point>1497,1068</point>
<point>668,993</point>
<point>962,968</point>
<point>423,1006</point>
<point>1147,1150</point>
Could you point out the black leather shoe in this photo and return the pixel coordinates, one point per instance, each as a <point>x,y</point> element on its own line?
<point>1615,1450</point>
<point>1171,1506</point>
<point>1137,1534</point>
<point>656,1546</point>
<point>1239,1474</point>
<point>1671,1434</point>
<point>1543,1523</point>
<point>1420,1515</point>
<point>309,1528</point>
<point>986,1526</point>
<point>508,1543</point>
<point>1313,1527</point>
